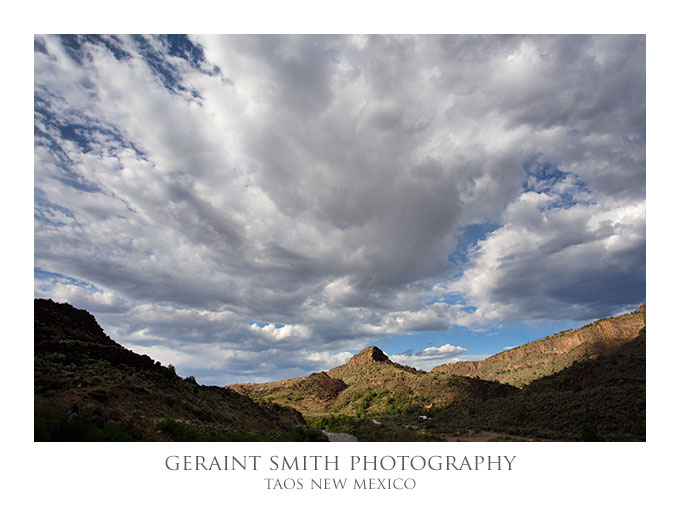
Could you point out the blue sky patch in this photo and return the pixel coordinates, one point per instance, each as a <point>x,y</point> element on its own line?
<point>76,46</point>
<point>545,177</point>
<point>43,275</point>
<point>470,235</point>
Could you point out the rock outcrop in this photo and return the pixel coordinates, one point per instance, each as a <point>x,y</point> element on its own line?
<point>368,355</point>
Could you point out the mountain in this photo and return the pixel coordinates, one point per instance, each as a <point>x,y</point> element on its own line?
<point>523,364</point>
<point>578,385</point>
<point>87,387</point>
<point>370,383</point>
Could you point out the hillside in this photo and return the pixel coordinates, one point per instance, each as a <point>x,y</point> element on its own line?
<point>370,384</point>
<point>584,384</point>
<point>600,399</point>
<point>87,387</point>
<point>523,364</point>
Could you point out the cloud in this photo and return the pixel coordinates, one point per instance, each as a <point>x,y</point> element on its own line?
<point>187,189</point>
<point>586,261</point>
<point>429,357</point>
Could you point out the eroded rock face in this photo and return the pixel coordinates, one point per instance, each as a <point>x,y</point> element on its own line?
<point>519,366</point>
<point>368,355</point>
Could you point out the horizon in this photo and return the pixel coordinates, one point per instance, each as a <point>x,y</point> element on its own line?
<point>394,358</point>
<point>255,208</point>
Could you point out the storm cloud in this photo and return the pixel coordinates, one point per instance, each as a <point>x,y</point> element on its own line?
<point>256,207</point>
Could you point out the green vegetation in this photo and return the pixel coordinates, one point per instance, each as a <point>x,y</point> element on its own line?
<point>601,399</point>
<point>49,426</point>
<point>177,431</point>
<point>404,405</point>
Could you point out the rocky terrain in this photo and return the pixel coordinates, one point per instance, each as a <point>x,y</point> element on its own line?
<point>584,384</point>
<point>370,384</point>
<point>87,387</point>
<point>523,364</point>
<point>587,384</point>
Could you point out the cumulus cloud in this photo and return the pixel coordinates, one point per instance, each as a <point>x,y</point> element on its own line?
<point>546,262</point>
<point>280,196</point>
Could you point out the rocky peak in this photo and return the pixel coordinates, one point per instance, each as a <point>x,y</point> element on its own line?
<point>368,355</point>
<point>56,321</point>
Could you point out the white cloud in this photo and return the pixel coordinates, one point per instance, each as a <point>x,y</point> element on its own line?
<point>548,263</point>
<point>272,331</point>
<point>430,357</point>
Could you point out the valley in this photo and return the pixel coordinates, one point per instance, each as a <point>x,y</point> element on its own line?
<point>587,384</point>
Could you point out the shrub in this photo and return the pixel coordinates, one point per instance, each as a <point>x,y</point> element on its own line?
<point>177,431</point>
<point>49,425</point>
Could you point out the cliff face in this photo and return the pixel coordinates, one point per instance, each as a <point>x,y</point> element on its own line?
<point>519,366</point>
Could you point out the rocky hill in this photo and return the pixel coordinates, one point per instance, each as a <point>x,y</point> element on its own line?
<point>523,364</point>
<point>599,399</point>
<point>313,394</point>
<point>369,383</point>
<point>585,384</point>
<point>87,387</point>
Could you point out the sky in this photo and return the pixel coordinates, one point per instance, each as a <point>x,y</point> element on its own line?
<point>252,208</point>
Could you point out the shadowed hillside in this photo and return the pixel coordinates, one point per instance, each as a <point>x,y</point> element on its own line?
<point>87,387</point>
<point>600,399</point>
